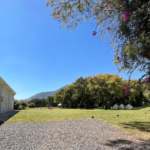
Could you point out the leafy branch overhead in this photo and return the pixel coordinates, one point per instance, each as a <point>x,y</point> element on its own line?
<point>126,21</point>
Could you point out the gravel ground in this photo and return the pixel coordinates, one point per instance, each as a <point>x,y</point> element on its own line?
<point>83,134</point>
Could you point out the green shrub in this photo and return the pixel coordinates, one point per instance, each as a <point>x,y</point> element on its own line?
<point>38,102</point>
<point>16,104</point>
<point>31,105</point>
<point>19,108</point>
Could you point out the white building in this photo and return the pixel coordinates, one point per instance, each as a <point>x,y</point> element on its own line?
<point>6,97</point>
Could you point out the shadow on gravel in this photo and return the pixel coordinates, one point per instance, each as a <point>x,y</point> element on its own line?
<point>4,117</point>
<point>1,122</point>
<point>144,145</point>
<point>142,126</point>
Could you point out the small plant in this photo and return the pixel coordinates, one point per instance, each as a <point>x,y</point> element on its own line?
<point>23,104</point>
<point>19,108</point>
<point>16,104</point>
<point>31,105</point>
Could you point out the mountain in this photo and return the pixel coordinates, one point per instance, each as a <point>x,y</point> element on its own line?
<point>44,94</point>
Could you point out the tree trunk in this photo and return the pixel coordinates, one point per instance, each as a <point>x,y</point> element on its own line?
<point>147,55</point>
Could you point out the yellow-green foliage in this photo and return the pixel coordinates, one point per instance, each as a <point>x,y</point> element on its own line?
<point>106,89</point>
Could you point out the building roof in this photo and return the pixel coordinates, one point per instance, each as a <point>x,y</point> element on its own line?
<point>7,86</point>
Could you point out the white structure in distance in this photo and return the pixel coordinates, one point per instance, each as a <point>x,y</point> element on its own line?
<point>122,106</point>
<point>115,106</point>
<point>59,105</point>
<point>128,106</point>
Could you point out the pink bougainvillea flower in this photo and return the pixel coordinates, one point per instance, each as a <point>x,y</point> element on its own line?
<point>118,58</point>
<point>146,87</point>
<point>94,33</point>
<point>108,28</point>
<point>127,14</point>
<point>127,91</point>
<point>140,27</point>
<point>119,36</point>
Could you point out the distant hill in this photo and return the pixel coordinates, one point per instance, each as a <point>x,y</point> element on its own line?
<point>44,94</point>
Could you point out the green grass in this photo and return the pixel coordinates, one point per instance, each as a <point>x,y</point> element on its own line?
<point>131,121</point>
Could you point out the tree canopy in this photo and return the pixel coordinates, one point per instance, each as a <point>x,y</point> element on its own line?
<point>100,90</point>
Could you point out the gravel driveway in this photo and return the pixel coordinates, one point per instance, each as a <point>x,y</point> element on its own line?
<point>83,134</point>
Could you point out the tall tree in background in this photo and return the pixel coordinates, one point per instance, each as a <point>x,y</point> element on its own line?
<point>50,100</point>
<point>100,90</point>
<point>126,21</point>
<point>59,96</point>
<point>80,86</point>
<point>107,87</point>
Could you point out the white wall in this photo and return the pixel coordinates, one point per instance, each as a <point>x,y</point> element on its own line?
<point>4,104</point>
<point>8,100</point>
<point>11,102</point>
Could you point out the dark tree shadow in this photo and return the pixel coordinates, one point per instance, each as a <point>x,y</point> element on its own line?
<point>1,122</point>
<point>142,126</point>
<point>143,145</point>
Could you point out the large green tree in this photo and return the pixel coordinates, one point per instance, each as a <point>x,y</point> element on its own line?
<point>107,87</point>
<point>82,91</point>
<point>59,96</point>
<point>50,101</point>
<point>100,90</point>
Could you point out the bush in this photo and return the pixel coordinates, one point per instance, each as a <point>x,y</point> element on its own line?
<point>23,104</point>
<point>38,102</point>
<point>16,104</point>
<point>31,105</point>
<point>19,108</point>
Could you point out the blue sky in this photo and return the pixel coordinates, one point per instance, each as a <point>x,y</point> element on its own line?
<point>37,56</point>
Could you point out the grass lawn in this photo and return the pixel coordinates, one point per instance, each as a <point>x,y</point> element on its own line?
<point>131,121</point>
